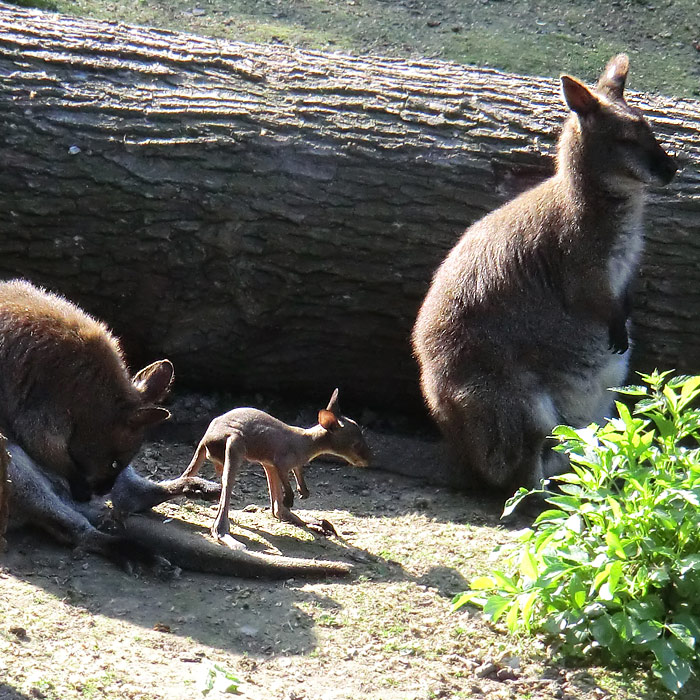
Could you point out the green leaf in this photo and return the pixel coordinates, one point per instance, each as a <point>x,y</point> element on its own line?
<point>481,583</point>
<point>513,502</point>
<point>613,541</point>
<point>647,631</point>
<point>633,390</point>
<point>603,631</point>
<point>663,651</point>
<point>495,607</point>
<point>690,390</point>
<point>528,565</point>
<point>674,675</point>
<point>682,634</point>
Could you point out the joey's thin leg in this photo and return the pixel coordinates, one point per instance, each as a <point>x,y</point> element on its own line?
<point>234,454</point>
<point>288,499</point>
<point>279,509</point>
<point>302,489</point>
<point>197,460</point>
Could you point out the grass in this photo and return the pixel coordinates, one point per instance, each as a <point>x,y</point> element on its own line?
<point>525,36</point>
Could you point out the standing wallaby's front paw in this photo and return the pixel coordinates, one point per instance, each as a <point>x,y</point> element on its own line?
<point>618,339</point>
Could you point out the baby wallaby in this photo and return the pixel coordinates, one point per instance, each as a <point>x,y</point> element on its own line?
<point>525,323</point>
<point>247,434</point>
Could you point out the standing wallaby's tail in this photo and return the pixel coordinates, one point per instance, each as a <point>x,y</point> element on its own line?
<point>4,491</point>
<point>189,550</point>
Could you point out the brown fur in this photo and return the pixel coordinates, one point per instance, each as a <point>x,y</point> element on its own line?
<point>524,325</point>
<point>65,394</point>
<point>249,434</point>
<point>75,419</point>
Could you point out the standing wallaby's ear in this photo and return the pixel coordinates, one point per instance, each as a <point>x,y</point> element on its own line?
<point>578,97</point>
<point>612,80</point>
<point>333,404</point>
<point>328,419</point>
<point>153,381</point>
<point>143,417</point>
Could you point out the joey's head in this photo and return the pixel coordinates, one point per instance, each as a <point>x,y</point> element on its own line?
<point>107,445</point>
<point>345,438</point>
<point>608,142</point>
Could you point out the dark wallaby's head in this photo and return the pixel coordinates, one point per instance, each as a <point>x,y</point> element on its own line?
<point>109,449</point>
<point>345,436</point>
<point>608,142</point>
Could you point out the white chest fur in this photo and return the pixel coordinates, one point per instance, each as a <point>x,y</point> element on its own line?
<point>627,248</point>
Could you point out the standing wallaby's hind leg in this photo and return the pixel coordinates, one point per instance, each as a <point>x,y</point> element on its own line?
<point>234,455</point>
<point>497,445</point>
<point>133,493</point>
<point>45,503</point>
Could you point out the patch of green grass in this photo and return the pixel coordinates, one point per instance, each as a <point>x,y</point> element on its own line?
<point>524,36</point>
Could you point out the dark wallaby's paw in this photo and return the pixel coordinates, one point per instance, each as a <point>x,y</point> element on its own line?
<point>196,487</point>
<point>288,499</point>
<point>137,559</point>
<point>618,340</point>
<point>111,520</point>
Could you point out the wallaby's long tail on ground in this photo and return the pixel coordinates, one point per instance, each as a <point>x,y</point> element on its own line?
<point>183,546</point>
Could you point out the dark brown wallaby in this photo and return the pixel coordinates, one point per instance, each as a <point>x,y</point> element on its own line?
<point>75,419</point>
<point>525,324</point>
<point>249,434</point>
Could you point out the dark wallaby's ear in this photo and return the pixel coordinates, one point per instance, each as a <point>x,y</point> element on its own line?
<point>154,381</point>
<point>143,417</point>
<point>612,80</point>
<point>328,419</point>
<point>333,404</point>
<point>578,97</point>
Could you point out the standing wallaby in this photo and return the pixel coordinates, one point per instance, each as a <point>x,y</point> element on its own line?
<point>75,419</point>
<point>525,324</point>
<point>249,434</point>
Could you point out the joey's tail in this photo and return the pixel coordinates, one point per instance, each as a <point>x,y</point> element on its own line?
<point>184,547</point>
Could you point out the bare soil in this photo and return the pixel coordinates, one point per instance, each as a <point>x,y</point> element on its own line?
<point>77,627</point>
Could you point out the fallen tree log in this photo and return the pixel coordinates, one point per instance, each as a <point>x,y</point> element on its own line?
<point>269,218</point>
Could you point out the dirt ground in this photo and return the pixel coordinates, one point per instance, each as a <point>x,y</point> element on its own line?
<point>77,627</point>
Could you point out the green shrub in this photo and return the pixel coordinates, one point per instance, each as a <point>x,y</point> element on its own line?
<point>614,567</point>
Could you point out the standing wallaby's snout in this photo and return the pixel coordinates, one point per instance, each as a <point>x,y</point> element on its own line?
<point>248,434</point>
<point>525,325</point>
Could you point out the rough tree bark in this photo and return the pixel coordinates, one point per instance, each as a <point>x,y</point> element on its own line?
<point>270,218</point>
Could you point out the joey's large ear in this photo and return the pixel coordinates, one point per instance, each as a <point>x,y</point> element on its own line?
<point>333,404</point>
<point>328,419</point>
<point>612,80</point>
<point>154,381</point>
<point>143,417</point>
<point>578,97</point>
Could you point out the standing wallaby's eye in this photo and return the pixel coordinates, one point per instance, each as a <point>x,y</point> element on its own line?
<point>116,465</point>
